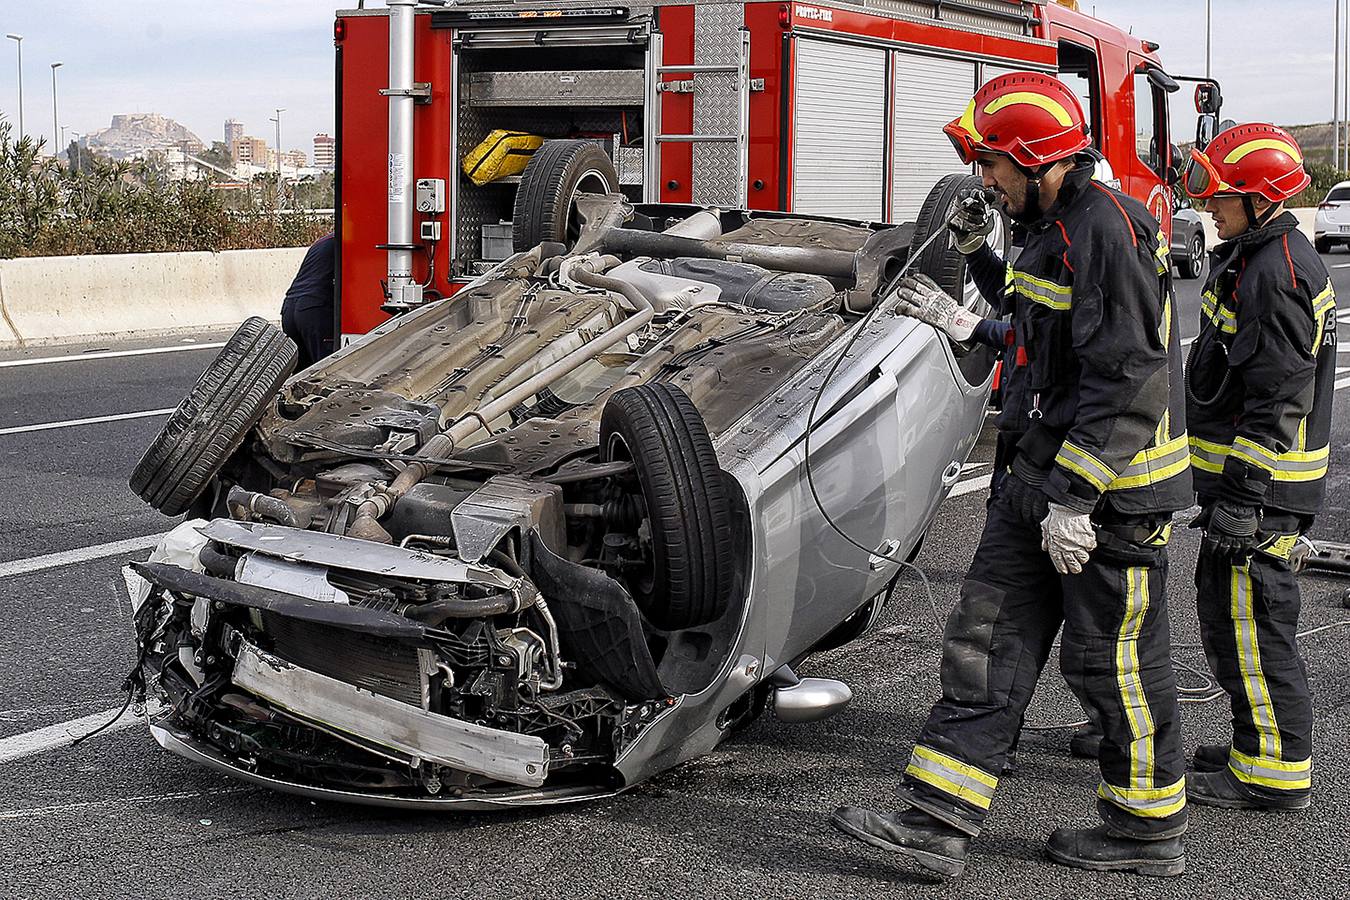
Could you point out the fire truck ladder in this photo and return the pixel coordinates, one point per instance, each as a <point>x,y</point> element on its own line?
<point>720,85</point>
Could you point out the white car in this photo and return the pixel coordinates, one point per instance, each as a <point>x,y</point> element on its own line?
<point>1332,225</point>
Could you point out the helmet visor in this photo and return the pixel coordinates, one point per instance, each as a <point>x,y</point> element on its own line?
<point>1202,180</point>
<point>962,143</point>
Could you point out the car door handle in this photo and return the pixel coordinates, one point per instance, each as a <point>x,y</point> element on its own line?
<point>883,555</point>
<point>951,473</point>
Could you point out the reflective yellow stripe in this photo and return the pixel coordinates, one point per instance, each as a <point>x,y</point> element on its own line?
<point>1128,679</point>
<point>952,776</point>
<point>1277,774</point>
<point>1279,545</point>
<point>1249,662</point>
<point>1038,290</point>
<point>1252,452</point>
<point>1291,466</point>
<point>1324,301</point>
<point>1154,464</point>
<point>1163,253</point>
<point>1221,316</point>
<point>1078,460</point>
<point>1031,98</point>
<point>1151,803</point>
<point>1237,153</point>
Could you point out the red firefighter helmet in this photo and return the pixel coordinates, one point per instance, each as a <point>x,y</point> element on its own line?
<point>1248,159</point>
<point>1033,118</point>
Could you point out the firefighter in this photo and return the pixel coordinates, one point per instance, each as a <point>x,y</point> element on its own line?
<point>1093,420</point>
<point>308,308</point>
<point>1261,378</point>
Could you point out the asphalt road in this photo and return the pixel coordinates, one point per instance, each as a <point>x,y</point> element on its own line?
<point>117,817</point>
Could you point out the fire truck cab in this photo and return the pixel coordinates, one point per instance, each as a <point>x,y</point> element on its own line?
<point>830,109</point>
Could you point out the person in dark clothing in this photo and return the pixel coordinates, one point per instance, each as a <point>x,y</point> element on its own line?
<point>307,311</point>
<point>1260,379</point>
<point>1093,419</point>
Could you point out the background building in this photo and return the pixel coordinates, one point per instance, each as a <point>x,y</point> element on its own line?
<point>323,152</point>
<point>249,151</point>
<point>234,130</point>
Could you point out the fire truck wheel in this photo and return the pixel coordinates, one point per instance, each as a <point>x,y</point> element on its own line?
<point>687,578</point>
<point>942,262</point>
<point>211,422</point>
<point>545,208</point>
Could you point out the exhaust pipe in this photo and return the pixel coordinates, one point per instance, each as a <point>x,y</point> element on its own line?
<point>401,291</point>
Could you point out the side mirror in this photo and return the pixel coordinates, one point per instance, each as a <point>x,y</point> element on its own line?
<point>1205,129</point>
<point>1208,98</point>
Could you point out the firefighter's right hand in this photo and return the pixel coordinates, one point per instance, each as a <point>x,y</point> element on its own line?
<point>1069,537</point>
<point>1231,531</point>
<point>972,220</point>
<point>919,297</point>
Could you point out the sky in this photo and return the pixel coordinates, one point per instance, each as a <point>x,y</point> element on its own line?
<point>203,61</point>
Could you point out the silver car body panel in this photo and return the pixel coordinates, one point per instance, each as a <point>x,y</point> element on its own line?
<point>322,549</point>
<point>406,729</point>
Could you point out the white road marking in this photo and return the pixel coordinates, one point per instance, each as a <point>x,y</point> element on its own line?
<point>78,555</point>
<point>94,420</point>
<point>10,814</point>
<point>970,486</point>
<point>1341,266</point>
<point>1344,382</point>
<point>107,354</point>
<point>61,734</point>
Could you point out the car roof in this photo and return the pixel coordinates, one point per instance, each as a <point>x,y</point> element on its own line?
<point>1339,185</point>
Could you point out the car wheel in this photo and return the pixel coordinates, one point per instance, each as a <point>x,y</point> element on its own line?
<point>1194,263</point>
<point>210,424</point>
<point>940,261</point>
<point>545,207</point>
<point>687,508</point>
<point>1323,245</point>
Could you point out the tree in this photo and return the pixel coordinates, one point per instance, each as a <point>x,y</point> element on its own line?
<point>218,155</point>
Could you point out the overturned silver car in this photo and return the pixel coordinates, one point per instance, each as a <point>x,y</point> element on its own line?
<point>544,539</point>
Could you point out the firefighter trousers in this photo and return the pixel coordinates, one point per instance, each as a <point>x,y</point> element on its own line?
<point>1248,623</point>
<point>1115,655</point>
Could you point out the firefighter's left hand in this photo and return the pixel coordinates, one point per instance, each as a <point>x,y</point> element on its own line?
<point>1069,537</point>
<point>919,297</point>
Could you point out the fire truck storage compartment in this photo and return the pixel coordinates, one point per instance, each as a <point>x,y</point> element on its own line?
<point>839,158</point>
<point>592,87</point>
<point>930,91</point>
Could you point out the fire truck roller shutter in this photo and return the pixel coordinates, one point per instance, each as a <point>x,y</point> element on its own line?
<point>839,160</point>
<point>929,92</point>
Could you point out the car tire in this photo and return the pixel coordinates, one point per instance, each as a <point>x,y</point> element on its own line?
<point>545,206</point>
<point>1193,264</point>
<point>1322,245</point>
<point>940,261</point>
<point>210,424</point>
<point>689,514</point>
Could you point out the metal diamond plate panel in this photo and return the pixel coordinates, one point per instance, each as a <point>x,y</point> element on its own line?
<point>717,41</point>
<point>588,87</point>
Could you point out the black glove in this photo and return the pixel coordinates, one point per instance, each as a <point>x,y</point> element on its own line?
<point>1025,496</point>
<point>1230,530</point>
<point>972,220</point>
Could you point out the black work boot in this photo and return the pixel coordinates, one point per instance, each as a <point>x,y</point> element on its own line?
<point>1102,850</point>
<point>1086,741</point>
<point>936,846</point>
<point>1222,789</point>
<point>1210,758</point>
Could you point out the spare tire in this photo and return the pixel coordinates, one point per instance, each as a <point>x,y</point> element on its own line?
<point>940,261</point>
<point>659,429</point>
<point>210,424</point>
<point>545,207</point>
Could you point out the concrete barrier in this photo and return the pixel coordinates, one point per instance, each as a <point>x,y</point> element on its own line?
<point>56,299</point>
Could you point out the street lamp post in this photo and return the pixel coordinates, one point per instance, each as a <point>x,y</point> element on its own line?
<point>56,129</point>
<point>277,120</point>
<point>18,40</point>
<point>1336,91</point>
<point>1208,32</point>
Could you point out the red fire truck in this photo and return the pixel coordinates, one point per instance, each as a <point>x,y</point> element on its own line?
<point>831,109</point>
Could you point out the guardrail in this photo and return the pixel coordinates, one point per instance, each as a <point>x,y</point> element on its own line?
<point>56,299</point>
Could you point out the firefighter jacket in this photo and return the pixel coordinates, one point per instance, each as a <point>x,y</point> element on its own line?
<point>1262,373</point>
<point>1094,395</point>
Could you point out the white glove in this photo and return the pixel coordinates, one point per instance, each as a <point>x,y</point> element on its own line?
<point>1069,537</point>
<point>921,298</point>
